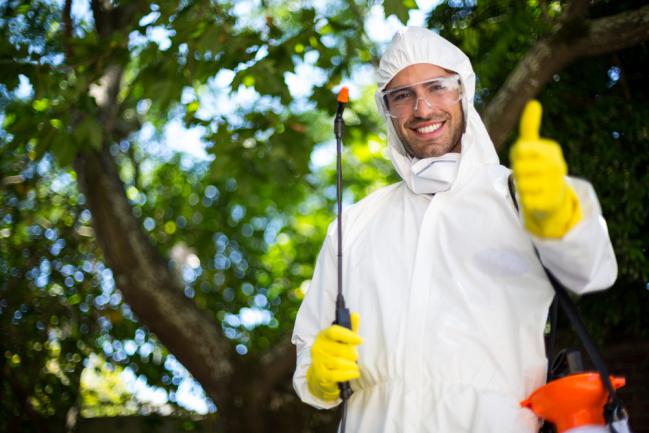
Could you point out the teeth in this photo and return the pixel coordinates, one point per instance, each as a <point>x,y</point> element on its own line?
<point>428,129</point>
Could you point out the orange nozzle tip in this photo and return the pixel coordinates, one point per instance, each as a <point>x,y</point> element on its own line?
<point>343,95</point>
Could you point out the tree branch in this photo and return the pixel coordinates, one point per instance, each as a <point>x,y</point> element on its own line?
<point>563,46</point>
<point>99,15</point>
<point>523,83</point>
<point>136,166</point>
<point>149,287</point>
<point>67,28</point>
<point>359,17</point>
<point>278,365</point>
<point>256,384</point>
<point>543,5</point>
<point>575,9</point>
<point>614,33</point>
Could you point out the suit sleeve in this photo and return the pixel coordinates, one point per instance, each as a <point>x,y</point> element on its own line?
<point>316,312</point>
<point>583,260</point>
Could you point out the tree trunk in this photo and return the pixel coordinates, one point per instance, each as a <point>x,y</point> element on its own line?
<point>149,287</point>
<point>573,37</point>
<point>152,291</point>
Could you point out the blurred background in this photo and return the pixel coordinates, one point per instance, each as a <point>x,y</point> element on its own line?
<point>167,177</point>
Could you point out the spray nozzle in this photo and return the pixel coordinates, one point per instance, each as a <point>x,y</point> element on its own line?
<point>343,95</point>
<point>343,98</point>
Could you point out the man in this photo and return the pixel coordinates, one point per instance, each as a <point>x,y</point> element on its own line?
<point>441,267</point>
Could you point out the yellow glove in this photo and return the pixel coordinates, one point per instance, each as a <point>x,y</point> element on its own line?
<point>550,206</point>
<point>333,360</point>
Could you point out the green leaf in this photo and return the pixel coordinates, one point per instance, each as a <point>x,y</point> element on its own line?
<point>41,104</point>
<point>400,8</point>
<point>88,133</point>
<point>63,149</point>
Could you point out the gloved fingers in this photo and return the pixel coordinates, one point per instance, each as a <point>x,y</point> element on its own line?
<point>325,390</point>
<point>542,189</point>
<point>330,392</point>
<point>340,374</point>
<point>547,179</point>
<point>342,335</point>
<point>356,322</point>
<point>342,371</point>
<point>333,363</point>
<point>535,185</point>
<point>543,152</point>
<point>530,197</point>
<point>334,354</point>
<point>526,167</point>
<point>541,205</point>
<point>525,148</point>
<point>330,348</point>
<point>345,375</point>
<point>530,124</point>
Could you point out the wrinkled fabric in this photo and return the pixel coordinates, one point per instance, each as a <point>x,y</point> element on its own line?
<point>452,298</point>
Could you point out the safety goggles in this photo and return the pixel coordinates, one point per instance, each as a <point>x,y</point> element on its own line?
<point>440,92</point>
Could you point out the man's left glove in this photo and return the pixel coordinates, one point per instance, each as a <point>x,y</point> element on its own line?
<point>550,206</point>
<point>333,360</point>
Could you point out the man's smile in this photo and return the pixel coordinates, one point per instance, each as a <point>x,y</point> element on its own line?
<point>428,129</point>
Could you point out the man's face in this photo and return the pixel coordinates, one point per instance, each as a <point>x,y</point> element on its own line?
<point>429,130</point>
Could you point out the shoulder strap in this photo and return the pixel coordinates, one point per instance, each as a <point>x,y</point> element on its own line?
<point>614,405</point>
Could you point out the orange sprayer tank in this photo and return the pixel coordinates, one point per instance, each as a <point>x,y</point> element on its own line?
<point>573,401</point>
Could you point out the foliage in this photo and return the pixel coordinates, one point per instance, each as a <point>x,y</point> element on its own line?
<point>218,220</point>
<point>607,143</point>
<point>48,284</point>
<point>596,109</point>
<point>103,391</point>
<point>494,35</point>
<point>241,228</point>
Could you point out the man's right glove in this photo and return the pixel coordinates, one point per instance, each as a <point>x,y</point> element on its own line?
<point>333,360</point>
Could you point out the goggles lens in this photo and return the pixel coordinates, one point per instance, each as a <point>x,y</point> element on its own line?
<point>440,92</point>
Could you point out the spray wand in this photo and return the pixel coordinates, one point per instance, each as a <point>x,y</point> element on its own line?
<point>342,313</point>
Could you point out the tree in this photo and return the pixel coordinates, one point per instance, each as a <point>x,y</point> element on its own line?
<point>97,83</point>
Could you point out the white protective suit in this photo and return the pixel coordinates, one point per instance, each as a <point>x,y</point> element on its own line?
<point>452,298</point>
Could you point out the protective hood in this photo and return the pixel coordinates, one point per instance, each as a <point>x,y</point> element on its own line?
<point>412,45</point>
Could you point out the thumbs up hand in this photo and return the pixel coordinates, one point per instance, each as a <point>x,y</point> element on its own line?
<point>550,206</point>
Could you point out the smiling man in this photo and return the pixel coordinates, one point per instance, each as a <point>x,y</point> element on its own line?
<point>441,267</point>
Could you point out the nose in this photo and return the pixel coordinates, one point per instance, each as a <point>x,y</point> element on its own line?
<point>422,110</point>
